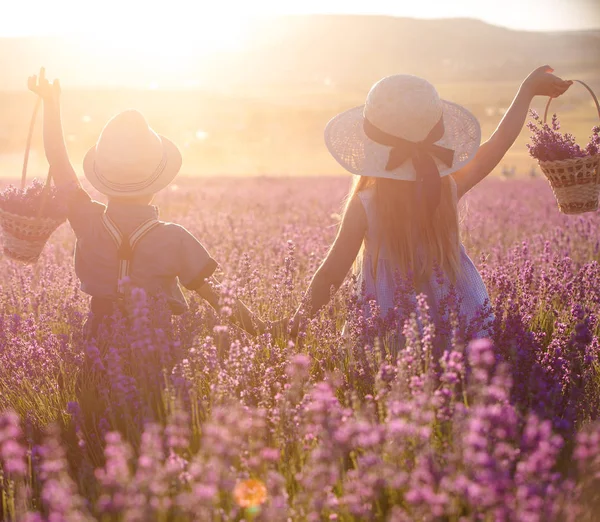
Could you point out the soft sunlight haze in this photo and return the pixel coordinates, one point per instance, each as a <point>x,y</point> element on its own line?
<point>246,88</point>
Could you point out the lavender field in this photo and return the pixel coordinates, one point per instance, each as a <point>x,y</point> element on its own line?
<point>202,422</point>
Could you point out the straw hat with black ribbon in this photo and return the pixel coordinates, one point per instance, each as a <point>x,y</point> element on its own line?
<point>405,131</point>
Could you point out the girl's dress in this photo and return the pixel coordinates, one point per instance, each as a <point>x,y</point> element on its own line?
<point>470,291</point>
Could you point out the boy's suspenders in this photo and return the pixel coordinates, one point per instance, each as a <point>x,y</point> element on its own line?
<point>126,245</point>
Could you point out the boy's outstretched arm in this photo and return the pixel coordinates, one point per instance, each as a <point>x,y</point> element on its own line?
<point>336,265</point>
<point>241,316</point>
<point>54,143</point>
<point>540,82</point>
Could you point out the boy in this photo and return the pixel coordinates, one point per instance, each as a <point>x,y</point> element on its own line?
<point>124,239</point>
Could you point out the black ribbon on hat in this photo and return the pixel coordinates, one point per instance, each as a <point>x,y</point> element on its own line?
<point>422,154</point>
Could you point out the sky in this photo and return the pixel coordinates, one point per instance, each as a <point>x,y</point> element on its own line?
<point>220,20</point>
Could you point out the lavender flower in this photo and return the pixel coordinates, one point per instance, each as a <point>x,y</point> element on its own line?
<point>29,201</point>
<point>401,417</point>
<point>548,144</point>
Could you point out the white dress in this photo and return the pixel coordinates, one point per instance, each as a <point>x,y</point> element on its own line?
<point>472,296</point>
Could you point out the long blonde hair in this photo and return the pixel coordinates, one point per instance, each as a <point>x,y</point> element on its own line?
<point>399,217</point>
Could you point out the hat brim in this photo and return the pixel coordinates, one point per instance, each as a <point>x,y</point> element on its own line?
<point>348,144</point>
<point>167,175</point>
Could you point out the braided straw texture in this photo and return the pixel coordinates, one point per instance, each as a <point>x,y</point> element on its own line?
<point>575,183</point>
<point>407,107</point>
<point>25,237</point>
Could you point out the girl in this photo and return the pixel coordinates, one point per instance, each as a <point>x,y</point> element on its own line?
<point>416,156</point>
<point>124,239</point>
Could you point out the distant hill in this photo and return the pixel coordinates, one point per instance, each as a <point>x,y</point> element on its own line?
<point>311,51</point>
<point>358,50</point>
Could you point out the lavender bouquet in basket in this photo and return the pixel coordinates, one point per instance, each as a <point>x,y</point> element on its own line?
<point>549,144</point>
<point>28,217</point>
<point>29,201</point>
<point>573,171</point>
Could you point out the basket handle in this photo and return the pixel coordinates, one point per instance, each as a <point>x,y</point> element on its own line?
<point>26,159</point>
<point>587,87</point>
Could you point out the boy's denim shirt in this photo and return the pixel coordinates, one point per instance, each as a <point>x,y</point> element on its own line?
<point>166,257</point>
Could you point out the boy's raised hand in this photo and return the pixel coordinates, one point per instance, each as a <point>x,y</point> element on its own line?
<point>63,173</point>
<point>43,88</point>
<point>541,82</point>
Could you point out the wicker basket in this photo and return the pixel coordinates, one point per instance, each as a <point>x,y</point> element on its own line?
<point>576,181</point>
<point>24,237</point>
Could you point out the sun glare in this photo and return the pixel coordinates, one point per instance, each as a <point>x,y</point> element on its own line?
<point>174,44</point>
<point>163,54</point>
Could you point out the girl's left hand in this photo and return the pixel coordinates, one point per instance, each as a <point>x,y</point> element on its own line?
<point>542,82</point>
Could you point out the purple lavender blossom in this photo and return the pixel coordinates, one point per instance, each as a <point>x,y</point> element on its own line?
<point>400,417</point>
<point>548,144</point>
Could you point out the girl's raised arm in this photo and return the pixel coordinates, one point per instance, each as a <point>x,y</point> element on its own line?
<point>54,142</point>
<point>340,257</point>
<point>539,82</point>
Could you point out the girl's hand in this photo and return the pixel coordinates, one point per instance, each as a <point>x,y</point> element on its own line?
<point>542,82</point>
<point>43,88</point>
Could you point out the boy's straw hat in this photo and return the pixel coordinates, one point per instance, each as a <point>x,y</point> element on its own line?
<point>130,159</point>
<point>403,122</point>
